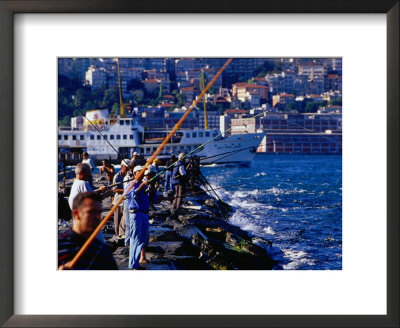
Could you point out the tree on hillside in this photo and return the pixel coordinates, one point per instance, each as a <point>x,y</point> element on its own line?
<point>181,99</point>
<point>111,96</point>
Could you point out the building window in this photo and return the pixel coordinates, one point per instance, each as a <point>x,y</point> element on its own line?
<point>124,137</point>
<point>111,137</point>
<point>118,137</point>
<point>91,137</point>
<point>98,137</point>
<point>73,137</point>
<point>82,137</point>
<point>59,137</point>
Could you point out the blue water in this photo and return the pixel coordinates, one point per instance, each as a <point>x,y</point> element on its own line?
<point>293,201</point>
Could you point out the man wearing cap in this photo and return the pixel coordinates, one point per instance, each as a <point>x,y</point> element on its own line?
<point>119,218</point>
<point>134,160</point>
<point>138,205</point>
<point>178,179</point>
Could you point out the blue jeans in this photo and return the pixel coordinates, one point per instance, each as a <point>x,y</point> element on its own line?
<point>126,218</point>
<point>138,237</point>
<point>167,183</point>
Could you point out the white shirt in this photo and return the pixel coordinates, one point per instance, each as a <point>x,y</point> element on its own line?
<point>79,186</point>
<point>89,162</point>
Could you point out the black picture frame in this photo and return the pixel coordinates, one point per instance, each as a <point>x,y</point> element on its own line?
<point>10,7</point>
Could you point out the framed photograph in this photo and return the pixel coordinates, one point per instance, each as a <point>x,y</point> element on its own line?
<point>160,57</point>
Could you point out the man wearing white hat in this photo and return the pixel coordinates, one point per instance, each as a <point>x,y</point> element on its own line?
<point>138,205</point>
<point>119,218</point>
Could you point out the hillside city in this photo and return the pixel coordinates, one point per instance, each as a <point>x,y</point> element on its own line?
<point>301,98</point>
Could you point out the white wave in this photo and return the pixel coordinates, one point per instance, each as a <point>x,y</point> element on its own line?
<point>260,174</point>
<point>269,231</point>
<point>297,259</point>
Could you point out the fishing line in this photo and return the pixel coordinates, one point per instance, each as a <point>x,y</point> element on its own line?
<point>84,115</point>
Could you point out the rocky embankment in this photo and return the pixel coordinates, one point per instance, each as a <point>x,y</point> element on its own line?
<point>198,237</point>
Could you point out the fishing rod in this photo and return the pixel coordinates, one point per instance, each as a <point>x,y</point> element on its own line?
<point>141,172</point>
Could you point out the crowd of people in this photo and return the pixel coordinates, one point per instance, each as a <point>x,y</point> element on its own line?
<point>131,217</point>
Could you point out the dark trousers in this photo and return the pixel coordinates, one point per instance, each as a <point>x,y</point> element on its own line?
<point>178,192</point>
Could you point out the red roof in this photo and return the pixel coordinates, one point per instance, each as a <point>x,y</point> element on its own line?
<point>188,89</point>
<point>236,111</point>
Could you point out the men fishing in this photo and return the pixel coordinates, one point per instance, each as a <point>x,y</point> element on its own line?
<point>178,180</point>
<point>119,217</point>
<point>86,210</point>
<point>138,207</point>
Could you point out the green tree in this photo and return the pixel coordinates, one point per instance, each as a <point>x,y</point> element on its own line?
<point>65,121</point>
<point>290,107</point>
<point>181,99</point>
<point>337,102</point>
<point>111,96</point>
<point>311,107</point>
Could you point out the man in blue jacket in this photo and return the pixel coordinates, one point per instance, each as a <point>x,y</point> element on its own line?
<point>138,201</point>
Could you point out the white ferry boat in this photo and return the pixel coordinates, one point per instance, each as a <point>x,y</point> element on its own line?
<point>127,135</point>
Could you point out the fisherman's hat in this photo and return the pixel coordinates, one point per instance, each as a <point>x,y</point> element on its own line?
<point>150,169</point>
<point>125,162</point>
<point>137,168</point>
<point>135,153</point>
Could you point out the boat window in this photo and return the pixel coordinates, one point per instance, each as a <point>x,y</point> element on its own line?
<point>98,137</point>
<point>121,122</point>
<point>65,137</point>
<point>168,148</point>
<point>59,137</point>
<point>214,134</point>
<point>105,137</point>
<point>91,137</point>
<point>82,137</point>
<point>147,150</point>
<point>73,137</point>
<point>187,135</point>
<point>194,134</point>
<point>111,136</point>
<point>124,137</point>
<point>201,134</point>
<point>131,137</point>
<point>207,134</point>
<point>118,136</point>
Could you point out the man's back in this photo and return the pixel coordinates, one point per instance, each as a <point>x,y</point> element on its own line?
<point>79,186</point>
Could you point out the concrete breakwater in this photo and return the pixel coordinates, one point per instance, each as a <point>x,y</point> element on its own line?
<point>198,237</point>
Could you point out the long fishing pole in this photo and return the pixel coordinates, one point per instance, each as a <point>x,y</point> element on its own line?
<point>140,174</point>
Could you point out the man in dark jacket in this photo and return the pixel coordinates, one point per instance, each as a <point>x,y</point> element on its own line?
<point>86,210</point>
<point>178,180</point>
